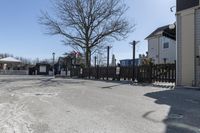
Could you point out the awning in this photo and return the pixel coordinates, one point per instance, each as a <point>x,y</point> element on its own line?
<point>9,60</point>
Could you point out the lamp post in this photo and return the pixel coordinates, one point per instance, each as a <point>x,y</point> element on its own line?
<point>172,8</point>
<point>133,73</point>
<point>53,63</point>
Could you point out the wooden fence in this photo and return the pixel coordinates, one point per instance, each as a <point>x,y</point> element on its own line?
<point>146,73</point>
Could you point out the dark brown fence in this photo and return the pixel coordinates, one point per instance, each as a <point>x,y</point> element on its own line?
<point>146,73</point>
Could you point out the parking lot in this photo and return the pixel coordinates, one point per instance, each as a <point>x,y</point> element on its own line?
<point>34,104</point>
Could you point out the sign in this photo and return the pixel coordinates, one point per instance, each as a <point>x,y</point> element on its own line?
<point>117,70</point>
<point>81,71</point>
<point>68,73</point>
<point>63,73</point>
<point>43,69</point>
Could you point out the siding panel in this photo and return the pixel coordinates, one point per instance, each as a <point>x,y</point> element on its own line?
<point>197,44</point>
<point>178,52</point>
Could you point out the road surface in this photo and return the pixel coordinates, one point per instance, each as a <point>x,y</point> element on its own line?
<point>31,104</point>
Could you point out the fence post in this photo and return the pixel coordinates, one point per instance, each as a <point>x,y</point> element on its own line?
<point>138,73</point>
<point>71,71</point>
<point>89,72</point>
<point>97,72</point>
<point>175,72</point>
<point>150,73</point>
<point>82,72</point>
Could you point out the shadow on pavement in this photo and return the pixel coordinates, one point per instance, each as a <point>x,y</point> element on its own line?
<point>154,85</point>
<point>110,87</point>
<point>125,82</point>
<point>35,81</point>
<point>52,82</point>
<point>184,114</point>
<point>10,79</point>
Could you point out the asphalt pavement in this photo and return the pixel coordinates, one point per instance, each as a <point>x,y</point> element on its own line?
<point>35,104</point>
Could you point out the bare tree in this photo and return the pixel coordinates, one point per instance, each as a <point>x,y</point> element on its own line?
<point>87,24</point>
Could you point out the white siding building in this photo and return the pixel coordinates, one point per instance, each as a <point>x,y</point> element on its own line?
<point>188,43</point>
<point>162,45</point>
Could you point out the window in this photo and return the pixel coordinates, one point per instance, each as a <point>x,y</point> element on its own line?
<point>166,45</point>
<point>123,63</point>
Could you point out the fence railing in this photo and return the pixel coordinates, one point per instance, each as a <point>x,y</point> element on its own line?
<point>146,73</point>
<point>13,72</point>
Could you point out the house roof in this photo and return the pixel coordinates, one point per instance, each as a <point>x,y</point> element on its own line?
<point>10,60</point>
<point>186,4</point>
<point>164,31</point>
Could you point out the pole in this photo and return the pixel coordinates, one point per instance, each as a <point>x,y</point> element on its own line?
<point>95,61</point>
<point>108,53</point>
<point>95,66</point>
<point>53,64</point>
<point>133,76</point>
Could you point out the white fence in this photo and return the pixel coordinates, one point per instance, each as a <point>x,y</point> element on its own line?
<point>13,72</point>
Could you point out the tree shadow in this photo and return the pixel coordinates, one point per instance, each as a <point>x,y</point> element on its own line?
<point>35,81</point>
<point>110,87</point>
<point>153,85</point>
<point>52,82</point>
<point>184,114</point>
<point>10,79</point>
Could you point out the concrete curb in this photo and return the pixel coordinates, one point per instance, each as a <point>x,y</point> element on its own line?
<point>188,88</point>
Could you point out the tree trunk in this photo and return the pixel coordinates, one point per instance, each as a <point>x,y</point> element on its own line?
<point>87,58</point>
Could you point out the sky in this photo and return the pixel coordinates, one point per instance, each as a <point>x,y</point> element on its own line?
<point>21,35</point>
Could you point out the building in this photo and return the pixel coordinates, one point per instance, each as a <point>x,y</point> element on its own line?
<point>129,62</point>
<point>12,66</point>
<point>162,45</point>
<point>42,68</point>
<point>64,64</point>
<point>61,65</point>
<point>188,43</point>
<point>9,63</point>
<point>70,62</point>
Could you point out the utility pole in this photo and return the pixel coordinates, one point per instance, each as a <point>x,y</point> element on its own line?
<point>95,61</point>
<point>133,73</point>
<point>133,76</point>
<point>53,63</point>
<point>108,54</point>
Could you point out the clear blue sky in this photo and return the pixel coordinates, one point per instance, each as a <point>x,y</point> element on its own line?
<point>21,35</point>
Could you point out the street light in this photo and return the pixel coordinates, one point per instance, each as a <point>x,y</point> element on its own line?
<point>134,44</point>
<point>53,63</point>
<point>172,8</point>
<point>172,26</point>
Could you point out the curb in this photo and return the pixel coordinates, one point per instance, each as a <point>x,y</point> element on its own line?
<point>188,88</point>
